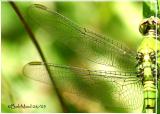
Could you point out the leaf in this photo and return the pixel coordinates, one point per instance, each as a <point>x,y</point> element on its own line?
<point>149,8</point>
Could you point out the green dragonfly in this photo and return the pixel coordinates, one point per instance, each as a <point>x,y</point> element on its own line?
<point>130,78</point>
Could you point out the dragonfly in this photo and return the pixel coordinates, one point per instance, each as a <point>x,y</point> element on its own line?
<point>130,77</point>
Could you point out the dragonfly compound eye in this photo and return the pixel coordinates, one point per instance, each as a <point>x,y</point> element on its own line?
<point>150,25</point>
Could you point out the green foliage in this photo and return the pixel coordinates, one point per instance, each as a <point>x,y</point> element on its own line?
<point>150,8</point>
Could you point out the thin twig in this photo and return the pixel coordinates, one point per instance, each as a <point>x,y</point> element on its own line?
<point>32,37</point>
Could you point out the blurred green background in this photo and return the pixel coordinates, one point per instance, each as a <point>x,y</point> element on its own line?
<point>118,20</point>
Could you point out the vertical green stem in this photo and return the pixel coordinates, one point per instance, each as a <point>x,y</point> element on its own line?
<point>32,37</point>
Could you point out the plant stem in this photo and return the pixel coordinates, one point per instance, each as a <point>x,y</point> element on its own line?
<point>32,37</point>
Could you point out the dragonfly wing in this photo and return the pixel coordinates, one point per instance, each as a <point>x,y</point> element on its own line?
<point>96,48</point>
<point>114,90</point>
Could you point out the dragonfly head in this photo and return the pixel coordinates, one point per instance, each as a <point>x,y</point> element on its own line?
<point>150,26</point>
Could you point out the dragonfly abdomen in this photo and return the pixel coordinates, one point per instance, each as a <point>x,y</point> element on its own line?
<point>149,96</point>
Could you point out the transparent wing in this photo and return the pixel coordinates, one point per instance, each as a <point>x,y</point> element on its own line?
<point>116,90</point>
<point>87,44</point>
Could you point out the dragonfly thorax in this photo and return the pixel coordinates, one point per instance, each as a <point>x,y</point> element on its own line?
<point>146,65</point>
